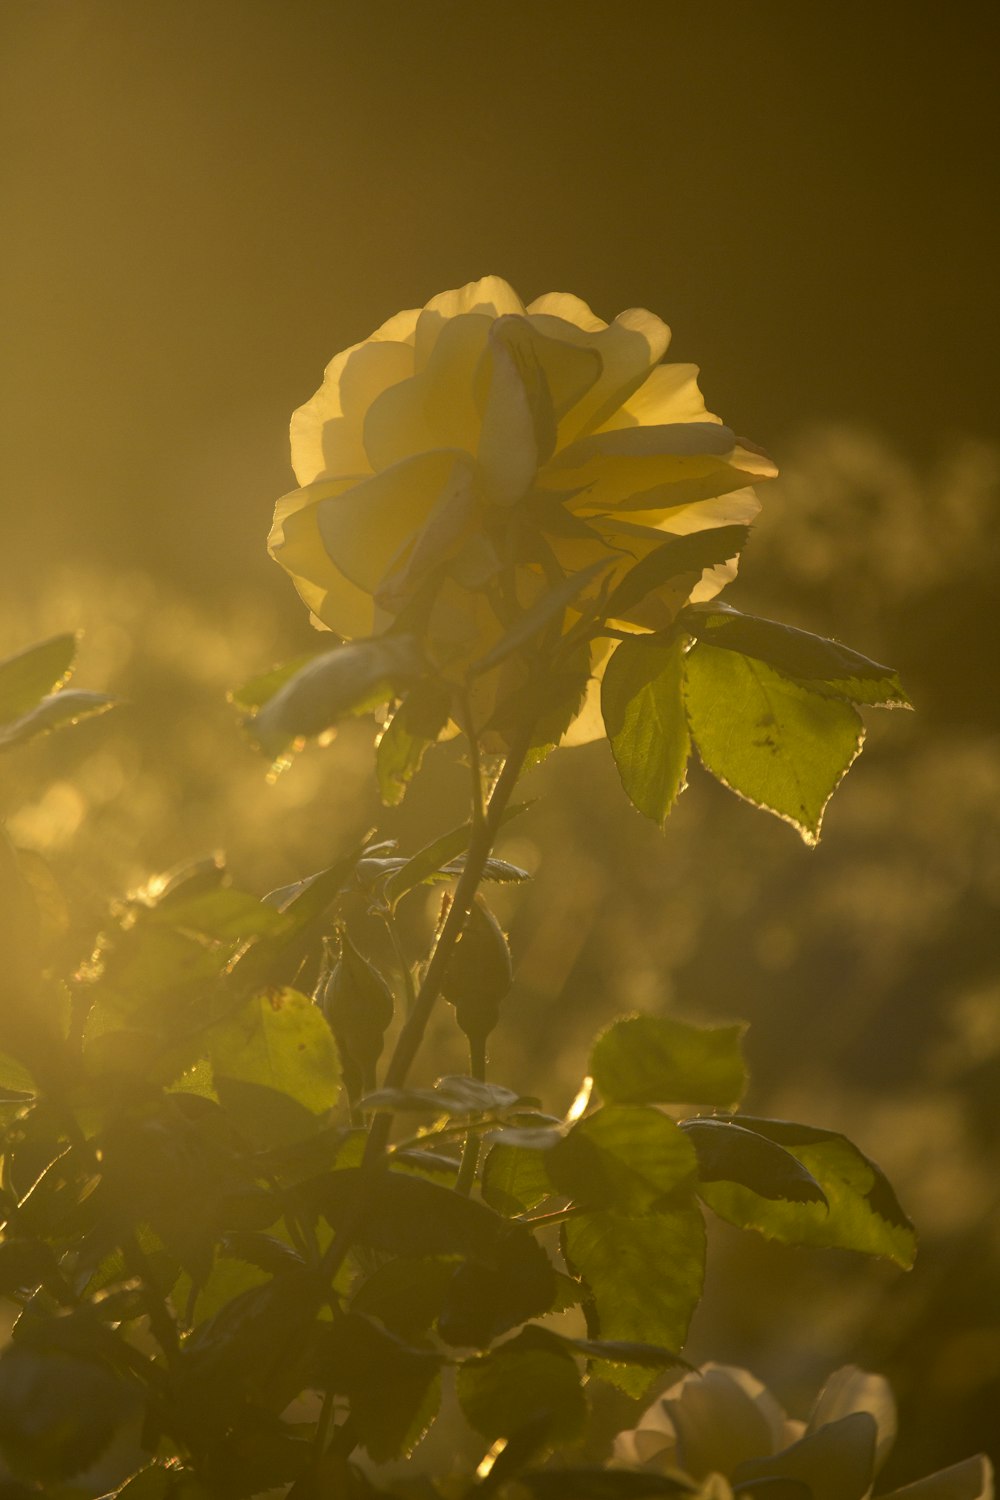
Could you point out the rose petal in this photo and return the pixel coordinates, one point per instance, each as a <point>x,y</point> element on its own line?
<point>852,1389</point>
<point>366,527</point>
<point>970,1480</point>
<point>492,295</point>
<point>295,542</point>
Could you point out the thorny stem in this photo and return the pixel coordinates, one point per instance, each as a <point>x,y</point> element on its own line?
<point>406,972</point>
<point>412,1034</point>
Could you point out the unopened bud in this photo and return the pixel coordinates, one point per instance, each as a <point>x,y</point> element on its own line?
<point>479,973</point>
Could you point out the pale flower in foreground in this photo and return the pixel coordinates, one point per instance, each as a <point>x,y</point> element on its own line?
<point>467,454</point>
<point>722,1428</point>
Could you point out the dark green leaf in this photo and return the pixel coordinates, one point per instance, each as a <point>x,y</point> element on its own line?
<point>58,1413</point>
<point>525,1386</point>
<point>262,1250</point>
<point>392,1387</point>
<point>729,1153</point>
<point>659,1060</point>
<point>644,1274</point>
<point>406,1295</point>
<point>414,727</point>
<point>822,665</point>
<point>410,1216</point>
<point>485,1300</point>
<point>256,1346</point>
<point>32,674</point>
<point>24,1264</point>
<point>623,1156</point>
<point>775,743</point>
<point>647,727</point>
<point>863,1212</point>
<point>681,554</point>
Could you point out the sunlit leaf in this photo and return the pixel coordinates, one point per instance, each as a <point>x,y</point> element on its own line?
<point>414,727</point>
<point>644,1274</point>
<point>514,1180</point>
<point>863,1213</point>
<point>822,665</point>
<point>351,679</point>
<point>775,743</point>
<point>68,707</point>
<point>32,674</point>
<point>623,1156</point>
<point>647,727</point>
<point>660,1060</point>
<point>692,553</point>
<point>275,1066</point>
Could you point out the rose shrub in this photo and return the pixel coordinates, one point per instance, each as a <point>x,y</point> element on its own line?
<point>468,455</point>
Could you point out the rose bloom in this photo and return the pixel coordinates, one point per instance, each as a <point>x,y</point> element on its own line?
<point>720,1427</point>
<point>467,454</point>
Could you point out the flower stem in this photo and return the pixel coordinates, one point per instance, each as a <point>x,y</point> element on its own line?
<point>470,1153</point>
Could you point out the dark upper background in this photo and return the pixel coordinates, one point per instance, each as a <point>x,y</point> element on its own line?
<point>201,201</point>
<point>204,199</point>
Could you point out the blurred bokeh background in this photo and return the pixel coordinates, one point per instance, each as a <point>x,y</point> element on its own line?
<point>203,200</point>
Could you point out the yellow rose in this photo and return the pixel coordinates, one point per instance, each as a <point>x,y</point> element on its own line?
<point>466,453</point>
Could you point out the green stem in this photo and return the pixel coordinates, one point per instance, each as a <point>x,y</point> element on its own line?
<point>470,1153</point>
<point>410,1037</point>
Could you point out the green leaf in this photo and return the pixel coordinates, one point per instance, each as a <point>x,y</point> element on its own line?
<point>485,1300</point>
<point>644,716</point>
<point>622,1156</point>
<point>223,914</point>
<point>526,1386</point>
<point>453,1095</point>
<point>863,1214</point>
<point>275,1066</point>
<point>255,1347</point>
<point>616,1351</point>
<point>260,689</point>
<point>32,674</point>
<point>434,859</point>
<point>644,1274</point>
<point>768,739</point>
<point>61,709</point>
<point>351,679</point>
<point>822,665</point>
<point>393,1388</point>
<point>514,1179</point>
<point>659,1060</point>
<point>414,727</point>
<point>681,554</point>
<point>406,1295</point>
<point>58,1413</point>
<point>727,1152</point>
